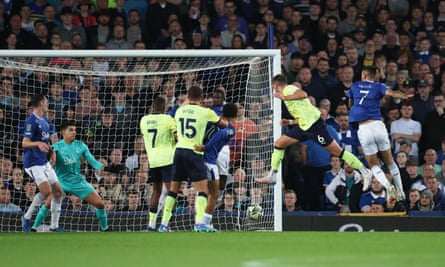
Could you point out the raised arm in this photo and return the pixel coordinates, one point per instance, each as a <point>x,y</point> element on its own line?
<point>298,95</point>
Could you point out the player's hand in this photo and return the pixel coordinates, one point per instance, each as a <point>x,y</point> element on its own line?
<point>409,96</point>
<point>284,122</point>
<point>44,147</point>
<point>278,95</point>
<point>200,148</point>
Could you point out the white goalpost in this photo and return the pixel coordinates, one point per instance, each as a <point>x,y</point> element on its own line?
<point>107,92</point>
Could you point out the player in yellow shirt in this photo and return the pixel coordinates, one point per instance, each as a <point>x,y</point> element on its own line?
<point>191,122</point>
<point>158,130</point>
<point>309,126</point>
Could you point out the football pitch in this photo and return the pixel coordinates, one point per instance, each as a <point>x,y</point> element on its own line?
<point>234,249</point>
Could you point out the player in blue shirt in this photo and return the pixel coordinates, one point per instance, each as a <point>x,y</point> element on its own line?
<point>37,135</point>
<point>212,148</point>
<point>364,100</point>
<point>69,153</point>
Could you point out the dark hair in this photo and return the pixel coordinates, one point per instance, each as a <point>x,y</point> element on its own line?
<point>159,104</point>
<point>67,123</point>
<point>371,70</point>
<point>36,99</point>
<point>230,110</point>
<point>195,93</point>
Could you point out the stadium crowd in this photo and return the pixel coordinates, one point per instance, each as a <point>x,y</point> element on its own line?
<point>324,46</point>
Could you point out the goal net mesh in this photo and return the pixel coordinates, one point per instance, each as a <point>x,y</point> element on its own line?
<point>107,97</point>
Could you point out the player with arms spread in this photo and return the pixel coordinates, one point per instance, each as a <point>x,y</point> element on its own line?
<point>212,149</point>
<point>159,130</point>
<point>37,135</point>
<point>191,122</point>
<point>364,100</point>
<point>309,126</point>
<point>69,153</point>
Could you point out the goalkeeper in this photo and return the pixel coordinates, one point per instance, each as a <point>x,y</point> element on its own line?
<point>310,126</point>
<point>69,153</point>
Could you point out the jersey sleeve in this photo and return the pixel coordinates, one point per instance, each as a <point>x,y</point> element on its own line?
<point>212,117</point>
<point>90,158</point>
<point>56,147</point>
<point>172,125</point>
<point>30,127</point>
<point>290,90</point>
<point>349,94</point>
<point>383,89</point>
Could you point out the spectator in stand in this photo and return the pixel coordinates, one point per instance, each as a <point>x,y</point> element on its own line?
<point>430,158</point>
<point>117,40</point>
<point>331,32</point>
<point>27,194</point>
<point>41,37</point>
<point>110,188</point>
<point>290,201</point>
<point>132,161</point>
<point>433,126</point>
<point>427,171</point>
<point>436,188</point>
<point>337,94</point>
<point>67,29</point>
<point>426,201</point>
<point>228,202</point>
<point>322,74</point>
<point>406,129</point>
<point>133,202</point>
<point>412,200</point>
<point>15,26</point>
<point>223,22</point>
<point>423,102</point>
<point>311,86</point>
<point>231,30</point>
<point>377,207</point>
<point>344,190</point>
<point>441,175</point>
<point>50,19</point>
<point>158,14</point>
<point>5,201</point>
<point>376,194</point>
<point>347,136</point>
<point>347,25</point>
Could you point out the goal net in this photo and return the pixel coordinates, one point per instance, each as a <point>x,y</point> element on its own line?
<point>106,93</point>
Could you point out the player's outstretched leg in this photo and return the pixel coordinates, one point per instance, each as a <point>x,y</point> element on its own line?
<point>41,216</point>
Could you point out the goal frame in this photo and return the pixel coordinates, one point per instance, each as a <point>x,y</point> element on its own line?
<point>274,69</point>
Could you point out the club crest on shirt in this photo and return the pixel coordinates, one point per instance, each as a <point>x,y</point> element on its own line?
<point>28,127</point>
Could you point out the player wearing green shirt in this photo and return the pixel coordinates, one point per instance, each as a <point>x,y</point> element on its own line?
<point>69,153</point>
<point>309,125</point>
<point>158,130</point>
<point>191,122</point>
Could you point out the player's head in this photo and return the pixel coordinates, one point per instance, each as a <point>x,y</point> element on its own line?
<point>279,81</point>
<point>39,101</point>
<point>159,104</point>
<point>218,97</point>
<point>68,130</point>
<point>369,73</point>
<point>195,93</point>
<point>230,110</point>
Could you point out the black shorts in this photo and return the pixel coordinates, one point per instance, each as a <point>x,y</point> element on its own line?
<point>188,165</point>
<point>317,133</point>
<point>161,174</point>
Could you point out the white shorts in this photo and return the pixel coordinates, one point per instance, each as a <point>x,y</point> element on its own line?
<point>373,137</point>
<point>212,172</point>
<point>42,173</point>
<point>223,160</point>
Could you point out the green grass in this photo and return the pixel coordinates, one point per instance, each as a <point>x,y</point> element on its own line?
<point>246,249</point>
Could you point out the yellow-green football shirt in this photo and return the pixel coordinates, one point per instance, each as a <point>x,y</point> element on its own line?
<point>191,122</point>
<point>302,109</point>
<point>158,131</point>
